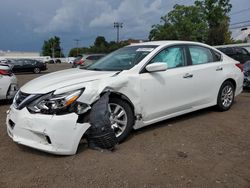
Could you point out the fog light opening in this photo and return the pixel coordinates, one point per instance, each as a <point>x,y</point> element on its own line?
<point>48,139</point>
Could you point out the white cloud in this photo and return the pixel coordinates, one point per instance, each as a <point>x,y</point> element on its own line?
<point>73,15</point>
<point>87,15</point>
<point>129,11</point>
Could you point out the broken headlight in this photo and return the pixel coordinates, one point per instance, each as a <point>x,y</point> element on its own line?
<point>55,104</point>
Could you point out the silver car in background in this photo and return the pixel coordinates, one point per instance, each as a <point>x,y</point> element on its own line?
<point>8,82</point>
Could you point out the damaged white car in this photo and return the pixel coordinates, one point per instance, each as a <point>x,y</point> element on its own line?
<point>147,83</point>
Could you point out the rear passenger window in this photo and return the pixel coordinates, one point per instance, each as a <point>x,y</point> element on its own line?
<point>216,56</point>
<point>90,58</point>
<point>200,55</point>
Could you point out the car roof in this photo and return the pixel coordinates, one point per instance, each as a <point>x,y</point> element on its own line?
<point>168,42</point>
<point>93,55</point>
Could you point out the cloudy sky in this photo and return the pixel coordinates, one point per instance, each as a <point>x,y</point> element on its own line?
<point>25,24</point>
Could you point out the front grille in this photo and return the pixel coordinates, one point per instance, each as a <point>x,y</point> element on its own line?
<point>12,124</point>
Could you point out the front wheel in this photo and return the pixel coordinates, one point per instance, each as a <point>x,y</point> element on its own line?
<point>122,118</point>
<point>36,70</point>
<point>226,96</point>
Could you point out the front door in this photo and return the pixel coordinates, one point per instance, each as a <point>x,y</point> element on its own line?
<point>167,92</point>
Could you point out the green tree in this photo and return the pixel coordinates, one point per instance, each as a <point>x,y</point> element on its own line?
<point>52,47</point>
<point>205,21</point>
<point>100,46</point>
<point>78,51</point>
<point>182,23</point>
<point>100,41</point>
<point>216,15</point>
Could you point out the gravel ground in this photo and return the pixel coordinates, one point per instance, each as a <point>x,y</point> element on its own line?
<point>201,149</point>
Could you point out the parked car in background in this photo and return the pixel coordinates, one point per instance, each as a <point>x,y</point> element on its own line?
<point>71,60</point>
<point>88,59</point>
<point>27,65</point>
<point>238,53</point>
<point>145,83</point>
<point>3,60</point>
<point>55,60</point>
<point>246,71</point>
<point>8,82</point>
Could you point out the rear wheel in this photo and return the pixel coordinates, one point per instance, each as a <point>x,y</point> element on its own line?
<point>36,70</point>
<point>122,118</point>
<point>226,96</point>
<point>58,61</point>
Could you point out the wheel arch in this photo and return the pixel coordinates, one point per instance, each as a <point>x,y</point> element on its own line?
<point>114,94</point>
<point>232,81</point>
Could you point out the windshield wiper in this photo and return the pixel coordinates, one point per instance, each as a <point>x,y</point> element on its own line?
<point>94,69</point>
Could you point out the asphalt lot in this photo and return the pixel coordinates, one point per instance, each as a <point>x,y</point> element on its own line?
<point>201,149</point>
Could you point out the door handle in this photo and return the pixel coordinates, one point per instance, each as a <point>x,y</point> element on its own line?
<point>188,75</point>
<point>219,69</point>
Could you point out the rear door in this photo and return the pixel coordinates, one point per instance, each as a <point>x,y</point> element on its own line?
<point>18,65</point>
<point>207,71</point>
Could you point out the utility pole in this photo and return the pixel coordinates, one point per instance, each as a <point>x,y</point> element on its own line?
<point>53,49</point>
<point>77,49</point>
<point>118,25</point>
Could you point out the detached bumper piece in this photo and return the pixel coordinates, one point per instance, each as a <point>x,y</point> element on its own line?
<point>100,135</point>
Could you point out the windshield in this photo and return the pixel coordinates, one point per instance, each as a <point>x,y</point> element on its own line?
<point>122,59</point>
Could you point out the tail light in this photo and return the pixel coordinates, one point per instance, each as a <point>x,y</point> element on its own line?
<point>240,66</point>
<point>80,62</point>
<point>5,72</point>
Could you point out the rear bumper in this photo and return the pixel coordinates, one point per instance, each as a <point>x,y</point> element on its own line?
<point>50,133</point>
<point>239,84</point>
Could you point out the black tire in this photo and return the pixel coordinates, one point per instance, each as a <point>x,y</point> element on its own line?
<point>37,70</point>
<point>130,117</point>
<point>225,97</point>
<point>58,61</point>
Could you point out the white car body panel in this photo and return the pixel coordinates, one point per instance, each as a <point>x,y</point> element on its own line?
<point>6,83</point>
<point>63,131</point>
<point>155,96</point>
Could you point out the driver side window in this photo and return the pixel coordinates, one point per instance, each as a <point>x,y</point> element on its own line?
<point>172,56</point>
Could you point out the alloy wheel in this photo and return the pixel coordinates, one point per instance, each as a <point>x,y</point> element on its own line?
<point>118,118</point>
<point>227,96</point>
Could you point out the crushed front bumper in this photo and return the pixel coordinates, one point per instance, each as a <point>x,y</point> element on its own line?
<point>57,134</point>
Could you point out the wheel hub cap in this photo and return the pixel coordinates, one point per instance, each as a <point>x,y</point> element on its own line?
<point>118,118</point>
<point>227,96</point>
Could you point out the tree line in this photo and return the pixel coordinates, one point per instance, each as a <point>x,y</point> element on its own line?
<point>205,21</point>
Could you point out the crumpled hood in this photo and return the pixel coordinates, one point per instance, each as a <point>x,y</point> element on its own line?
<point>64,78</point>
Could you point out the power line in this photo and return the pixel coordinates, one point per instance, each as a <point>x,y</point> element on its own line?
<point>237,27</point>
<point>240,22</point>
<point>240,11</point>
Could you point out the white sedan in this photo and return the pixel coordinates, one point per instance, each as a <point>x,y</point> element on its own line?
<point>8,82</point>
<point>149,82</point>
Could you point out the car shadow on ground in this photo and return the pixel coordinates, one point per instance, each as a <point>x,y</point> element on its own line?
<point>246,90</point>
<point>6,102</point>
<point>32,151</point>
<point>174,120</point>
<point>83,145</point>
<point>28,73</point>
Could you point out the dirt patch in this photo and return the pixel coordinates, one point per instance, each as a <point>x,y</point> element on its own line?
<point>201,149</point>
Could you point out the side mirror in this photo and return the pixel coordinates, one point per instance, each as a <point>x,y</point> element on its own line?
<point>156,67</point>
